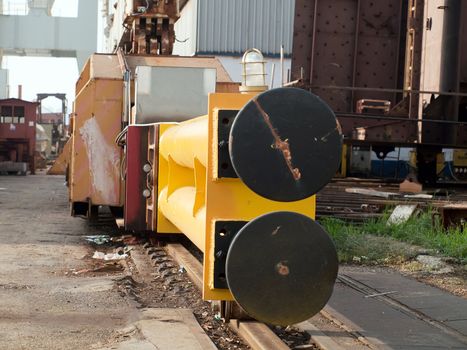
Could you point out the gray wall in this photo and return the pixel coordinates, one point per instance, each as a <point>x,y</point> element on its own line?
<point>229,27</point>
<point>3,83</point>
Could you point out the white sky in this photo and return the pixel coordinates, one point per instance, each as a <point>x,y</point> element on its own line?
<point>44,74</point>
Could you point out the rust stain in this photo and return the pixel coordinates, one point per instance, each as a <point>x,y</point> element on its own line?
<point>282,268</point>
<point>282,145</point>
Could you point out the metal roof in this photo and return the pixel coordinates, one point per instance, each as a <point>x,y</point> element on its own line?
<point>233,26</point>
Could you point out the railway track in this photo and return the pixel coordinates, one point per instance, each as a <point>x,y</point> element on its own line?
<point>256,334</point>
<point>334,201</point>
<point>152,256</point>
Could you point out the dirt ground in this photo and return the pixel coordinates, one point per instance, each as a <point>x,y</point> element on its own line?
<point>454,282</point>
<point>43,305</point>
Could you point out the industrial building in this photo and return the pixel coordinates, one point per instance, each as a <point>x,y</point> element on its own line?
<point>17,136</point>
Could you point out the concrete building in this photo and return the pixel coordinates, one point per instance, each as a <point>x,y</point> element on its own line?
<point>17,134</point>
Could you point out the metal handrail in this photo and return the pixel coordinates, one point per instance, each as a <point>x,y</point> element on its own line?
<point>397,91</point>
<point>401,119</point>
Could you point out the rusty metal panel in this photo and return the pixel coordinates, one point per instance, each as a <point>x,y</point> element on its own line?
<point>403,131</point>
<point>163,8</point>
<point>334,50</point>
<point>376,129</point>
<point>97,122</point>
<point>95,161</point>
<point>352,43</point>
<point>85,75</point>
<point>377,51</point>
<point>463,45</point>
<point>349,50</point>
<point>303,38</point>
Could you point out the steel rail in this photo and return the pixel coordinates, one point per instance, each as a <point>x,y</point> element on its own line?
<point>256,334</point>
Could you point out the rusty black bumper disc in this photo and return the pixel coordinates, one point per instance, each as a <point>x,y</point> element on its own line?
<point>285,144</point>
<point>281,268</point>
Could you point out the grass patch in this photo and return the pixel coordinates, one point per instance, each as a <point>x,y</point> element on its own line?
<point>375,242</point>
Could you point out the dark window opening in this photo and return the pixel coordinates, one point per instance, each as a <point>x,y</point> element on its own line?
<point>12,115</point>
<point>19,111</point>
<point>7,111</point>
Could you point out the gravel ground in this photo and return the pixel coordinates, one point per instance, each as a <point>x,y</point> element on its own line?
<point>163,284</point>
<point>43,303</point>
<point>453,281</point>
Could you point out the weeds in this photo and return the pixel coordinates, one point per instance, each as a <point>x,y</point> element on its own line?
<point>376,242</point>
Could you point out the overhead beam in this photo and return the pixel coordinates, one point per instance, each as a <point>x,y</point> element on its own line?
<point>38,34</point>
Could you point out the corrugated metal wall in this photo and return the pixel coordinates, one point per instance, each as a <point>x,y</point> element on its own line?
<point>233,26</point>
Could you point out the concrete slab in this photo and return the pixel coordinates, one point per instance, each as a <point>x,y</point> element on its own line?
<point>382,324</point>
<point>132,344</point>
<point>162,329</point>
<point>321,339</point>
<point>174,329</point>
<point>433,302</point>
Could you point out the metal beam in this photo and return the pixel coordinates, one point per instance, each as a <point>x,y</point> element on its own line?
<point>38,34</point>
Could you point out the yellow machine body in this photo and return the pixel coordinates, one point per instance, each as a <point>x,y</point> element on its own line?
<point>191,195</point>
<point>95,158</point>
<point>238,182</point>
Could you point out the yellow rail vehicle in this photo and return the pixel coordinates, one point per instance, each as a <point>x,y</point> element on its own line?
<point>239,182</point>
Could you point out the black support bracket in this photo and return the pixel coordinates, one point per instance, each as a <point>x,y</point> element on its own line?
<point>225,120</point>
<point>225,231</point>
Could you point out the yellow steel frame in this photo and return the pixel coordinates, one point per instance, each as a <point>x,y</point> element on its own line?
<point>163,225</point>
<point>194,197</point>
<point>231,199</point>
